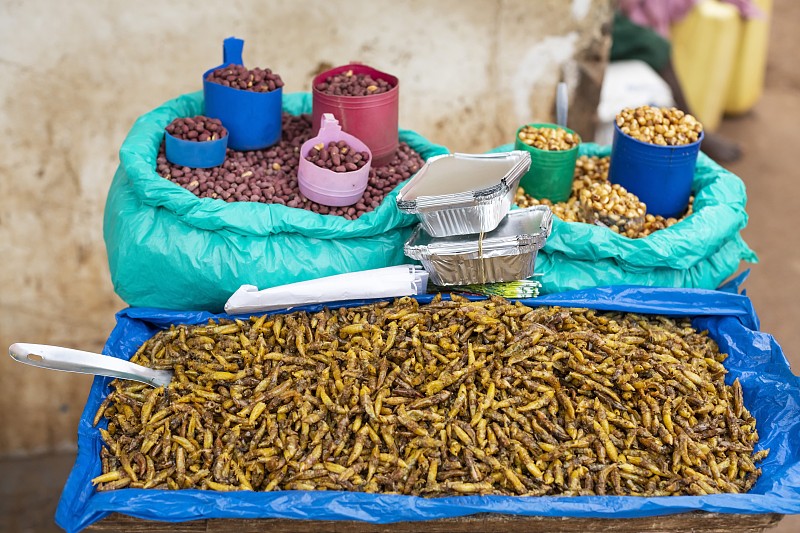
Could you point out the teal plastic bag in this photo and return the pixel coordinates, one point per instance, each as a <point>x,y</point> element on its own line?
<point>168,248</point>
<point>700,251</point>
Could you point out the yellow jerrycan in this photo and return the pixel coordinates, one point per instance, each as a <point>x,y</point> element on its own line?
<point>747,79</point>
<point>705,46</point>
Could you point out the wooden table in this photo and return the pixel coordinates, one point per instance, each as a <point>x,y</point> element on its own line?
<point>696,522</point>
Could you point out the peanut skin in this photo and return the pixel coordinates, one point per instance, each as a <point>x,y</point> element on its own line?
<point>349,84</point>
<point>270,175</point>
<point>338,157</point>
<point>199,129</point>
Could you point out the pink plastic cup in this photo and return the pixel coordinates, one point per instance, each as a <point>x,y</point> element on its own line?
<point>326,187</point>
<point>373,119</point>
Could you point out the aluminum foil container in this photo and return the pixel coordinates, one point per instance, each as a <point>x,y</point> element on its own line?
<point>459,194</point>
<point>506,254</point>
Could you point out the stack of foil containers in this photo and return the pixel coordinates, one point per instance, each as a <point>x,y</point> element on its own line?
<point>467,235</point>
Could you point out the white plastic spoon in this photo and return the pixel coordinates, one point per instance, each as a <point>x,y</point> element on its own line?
<point>69,360</point>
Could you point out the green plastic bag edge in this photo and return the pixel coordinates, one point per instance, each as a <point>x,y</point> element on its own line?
<point>138,157</point>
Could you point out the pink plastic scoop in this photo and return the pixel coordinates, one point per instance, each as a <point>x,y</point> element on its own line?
<point>326,187</point>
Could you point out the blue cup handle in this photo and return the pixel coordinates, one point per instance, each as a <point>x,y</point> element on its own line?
<point>231,54</point>
<point>232,51</point>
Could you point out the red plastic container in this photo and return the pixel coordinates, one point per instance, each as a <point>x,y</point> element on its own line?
<point>373,119</point>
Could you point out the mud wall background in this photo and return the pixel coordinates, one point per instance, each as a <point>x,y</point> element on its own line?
<point>74,77</point>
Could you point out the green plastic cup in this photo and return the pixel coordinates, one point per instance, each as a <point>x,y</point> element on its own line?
<point>551,172</point>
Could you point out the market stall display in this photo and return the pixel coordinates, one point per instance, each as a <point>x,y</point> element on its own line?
<point>768,391</point>
<point>429,406</point>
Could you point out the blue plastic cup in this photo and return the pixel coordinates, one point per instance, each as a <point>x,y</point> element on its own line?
<point>195,154</point>
<point>253,119</point>
<point>661,176</point>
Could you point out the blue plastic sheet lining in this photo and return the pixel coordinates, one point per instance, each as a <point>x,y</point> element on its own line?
<point>771,393</point>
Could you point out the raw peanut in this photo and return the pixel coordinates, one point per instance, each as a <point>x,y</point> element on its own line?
<point>338,157</point>
<point>199,129</point>
<point>239,77</point>
<point>270,175</point>
<point>349,84</point>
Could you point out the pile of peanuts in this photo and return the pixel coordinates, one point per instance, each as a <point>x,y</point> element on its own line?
<point>659,125</point>
<point>349,84</point>
<point>566,211</point>
<point>270,175</point>
<point>613,206</point>
<point>198,129</point>
<point>596,201</point>
<point>337,156</point>
<point>551,139</point>
<point>589,170</point>
<point>239,77</point>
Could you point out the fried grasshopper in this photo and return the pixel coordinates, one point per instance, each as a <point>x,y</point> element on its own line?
<point>451,397</point>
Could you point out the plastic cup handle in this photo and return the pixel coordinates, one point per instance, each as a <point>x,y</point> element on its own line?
<point>232,51</point>
<point>562,104</point>
<point>329,124</point>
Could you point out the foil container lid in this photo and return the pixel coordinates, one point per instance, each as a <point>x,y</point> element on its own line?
<point>452,180</point>
<point>519,232</point>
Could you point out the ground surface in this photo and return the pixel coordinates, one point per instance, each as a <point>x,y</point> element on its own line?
<point>29,489</point>
<point>770,137</point>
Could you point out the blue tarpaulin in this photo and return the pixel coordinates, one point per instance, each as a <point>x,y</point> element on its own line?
<point>771,393</point>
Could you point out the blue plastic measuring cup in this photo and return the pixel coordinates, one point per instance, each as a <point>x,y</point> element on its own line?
<point>253,119</point>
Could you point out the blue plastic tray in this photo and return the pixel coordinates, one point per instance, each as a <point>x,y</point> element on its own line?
<point>771,392</point>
